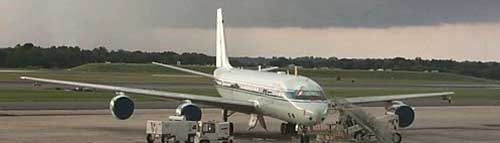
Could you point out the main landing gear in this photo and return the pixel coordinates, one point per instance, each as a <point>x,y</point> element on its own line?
<point>288,129</point>
<point>298,132</point>
<point>226,114</point>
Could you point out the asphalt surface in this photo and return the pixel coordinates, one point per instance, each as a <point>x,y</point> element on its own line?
<point>463,124</point>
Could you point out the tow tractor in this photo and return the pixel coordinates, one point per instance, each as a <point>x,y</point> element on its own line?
<point>177,129</point>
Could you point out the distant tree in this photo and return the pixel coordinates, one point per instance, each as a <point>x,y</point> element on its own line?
<point>28,54</point>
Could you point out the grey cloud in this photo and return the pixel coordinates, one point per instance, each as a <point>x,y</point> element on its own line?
<point>261,13</point>
<point>323,13</point>
<point>445,28</point>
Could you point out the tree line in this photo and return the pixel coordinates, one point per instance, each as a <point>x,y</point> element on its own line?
<point>29,55</point>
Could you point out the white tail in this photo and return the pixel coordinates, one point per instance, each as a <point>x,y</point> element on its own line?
<point>222,61</point>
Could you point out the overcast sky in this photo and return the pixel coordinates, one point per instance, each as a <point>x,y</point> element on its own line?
<point>446,29</point>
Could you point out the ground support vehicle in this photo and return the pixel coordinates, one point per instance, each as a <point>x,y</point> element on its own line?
<point>178,130</point>
<point>211,132</point>
<point>171,131</point>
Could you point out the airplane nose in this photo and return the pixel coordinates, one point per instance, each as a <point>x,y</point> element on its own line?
<point>314,113</point>
<point>316,116</point>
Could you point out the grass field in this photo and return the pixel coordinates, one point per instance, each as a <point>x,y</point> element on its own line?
<point>42,95</point>
<point>153,73</point>
<point>147,73</point>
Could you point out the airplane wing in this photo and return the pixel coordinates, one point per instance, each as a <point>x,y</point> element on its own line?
<point>233,105</point>
<point>386,98</point>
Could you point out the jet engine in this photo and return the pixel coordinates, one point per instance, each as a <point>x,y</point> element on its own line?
<point>190,111</point>
<point>405,113</point>
<point>121,106</point>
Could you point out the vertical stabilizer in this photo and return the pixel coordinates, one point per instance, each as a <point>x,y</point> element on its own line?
<point>222,61</point>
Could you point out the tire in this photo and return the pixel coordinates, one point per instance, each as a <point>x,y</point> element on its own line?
<point>283,129</point>
<point>231,129</point>
<point>290,129</point>
<point>164,139</point>
<point>190,139</point>
<point>358,136</point>
<point>396,138</point>
<point>150,138</point>
<point>304,139</point>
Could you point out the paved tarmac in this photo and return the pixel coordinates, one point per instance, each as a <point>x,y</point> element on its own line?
<point>446,124</point>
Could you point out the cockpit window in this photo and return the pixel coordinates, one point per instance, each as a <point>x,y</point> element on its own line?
<point>306,95</point>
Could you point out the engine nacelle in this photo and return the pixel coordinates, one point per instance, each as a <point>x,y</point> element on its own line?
<point>405,113</point>
<point>190,111</point>
<point>121,107</point>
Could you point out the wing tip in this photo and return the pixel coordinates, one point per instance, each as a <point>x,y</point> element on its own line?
<point>449,92</point>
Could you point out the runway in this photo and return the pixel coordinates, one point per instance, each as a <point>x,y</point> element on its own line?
<point>457,124</point>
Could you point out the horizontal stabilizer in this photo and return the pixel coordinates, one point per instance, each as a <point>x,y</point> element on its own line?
<point>269,69</point>
<point>184,70</point>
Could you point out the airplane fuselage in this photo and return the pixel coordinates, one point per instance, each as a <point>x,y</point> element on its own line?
<point>294,99</point>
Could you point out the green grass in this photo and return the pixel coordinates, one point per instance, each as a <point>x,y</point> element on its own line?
<point>43,95</point>
<point>46,95</point>
<point>148,73</point>
<point>394,77</point>
<point>107,77</point>
<point>136,68</point>
<point>322,75</point>
<point>460,94</point>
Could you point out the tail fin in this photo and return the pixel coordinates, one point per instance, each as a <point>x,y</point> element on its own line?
<point>222,61</point>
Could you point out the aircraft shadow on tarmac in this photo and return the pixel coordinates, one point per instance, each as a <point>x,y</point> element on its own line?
<point>260,134</point>
<point>492,125</point>
<point>121,130</point>
<point>241,135</point>
<point>486,128</point>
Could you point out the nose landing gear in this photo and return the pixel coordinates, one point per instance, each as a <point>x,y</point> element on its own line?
<point>302,136</point>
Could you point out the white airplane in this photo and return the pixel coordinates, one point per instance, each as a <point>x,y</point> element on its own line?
<point>297,100</point>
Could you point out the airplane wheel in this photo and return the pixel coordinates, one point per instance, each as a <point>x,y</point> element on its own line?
<point>291,129</point>
<point>284,128</point>
<point>358,136</point>
<point>304,139</point>
<point>231,128</point>
<point>164,139</point>
<point>396,137</point>
<point>150,138</point>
